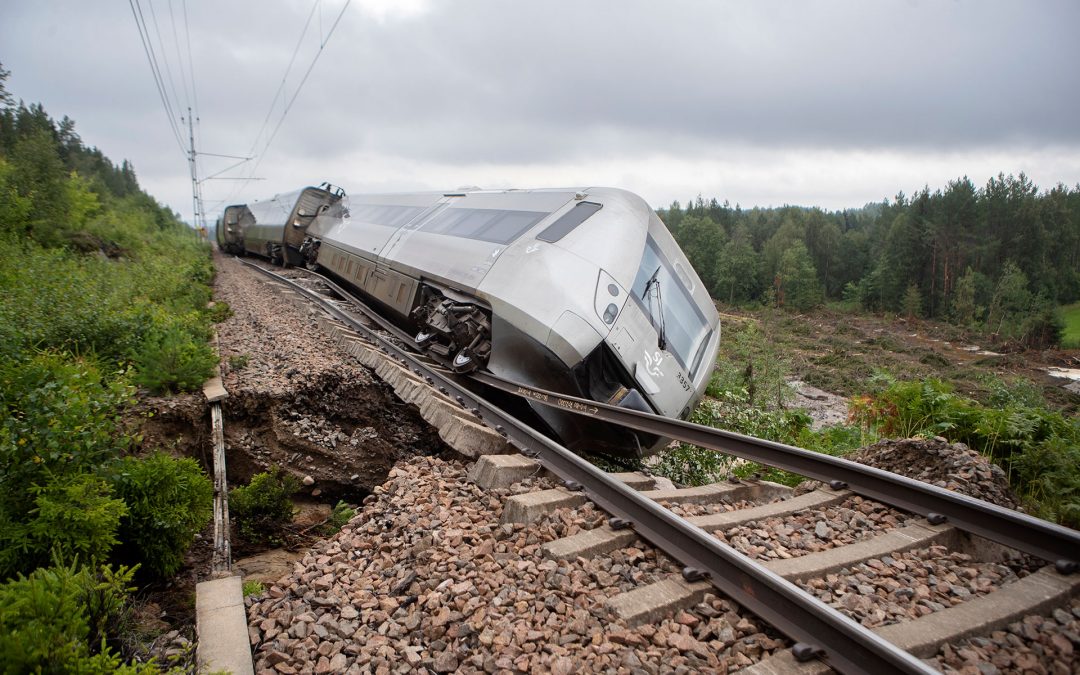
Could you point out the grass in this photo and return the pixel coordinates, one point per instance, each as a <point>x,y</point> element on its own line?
<point>253,588</point>
<point>1070,338</point>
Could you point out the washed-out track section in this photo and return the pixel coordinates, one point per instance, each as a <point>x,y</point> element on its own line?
<point>778,590</point>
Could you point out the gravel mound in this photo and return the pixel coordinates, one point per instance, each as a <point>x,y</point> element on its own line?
<point>953,466</point>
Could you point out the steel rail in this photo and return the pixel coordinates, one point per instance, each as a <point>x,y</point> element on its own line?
<point>1017,530</point>
<point>818,630</point>
<point>1038,537</point>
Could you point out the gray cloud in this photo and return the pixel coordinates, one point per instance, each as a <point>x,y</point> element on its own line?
<point>529,89</point>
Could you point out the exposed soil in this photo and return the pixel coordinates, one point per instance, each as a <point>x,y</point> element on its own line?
<point>298,401</point>
<point>343,429</point>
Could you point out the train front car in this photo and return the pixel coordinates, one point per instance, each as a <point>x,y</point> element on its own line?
<point>609,296</point>
<point>583,292</point>
<point>279,225</point>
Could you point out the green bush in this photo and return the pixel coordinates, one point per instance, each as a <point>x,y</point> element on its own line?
<point>173,360</point>
<point>58,423</point>
<point>169,500</point>
<point>76,517</point>
<point>57,621</point>
<point>253,588</point>
<point>339,517</point>
<point>264,506</point>
<point>1037,447</point>
<point>219,311</point>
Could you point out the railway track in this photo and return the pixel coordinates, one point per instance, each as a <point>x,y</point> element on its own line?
<point>794,593</point>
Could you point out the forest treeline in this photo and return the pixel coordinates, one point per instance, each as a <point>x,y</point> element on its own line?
<point>997,259</point>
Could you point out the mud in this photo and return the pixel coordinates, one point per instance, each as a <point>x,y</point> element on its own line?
<point>345,435</point>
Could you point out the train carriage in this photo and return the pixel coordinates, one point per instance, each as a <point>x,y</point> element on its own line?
<point>278,226</point>
<point>230,228</point>
<point>581,291</point>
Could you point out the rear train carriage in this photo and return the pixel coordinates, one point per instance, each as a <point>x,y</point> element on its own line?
<point>230,228</point>
<point>279,225</point>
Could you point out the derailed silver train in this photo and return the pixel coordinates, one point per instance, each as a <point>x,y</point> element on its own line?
<point>275,228</point>
<point>580,291</point>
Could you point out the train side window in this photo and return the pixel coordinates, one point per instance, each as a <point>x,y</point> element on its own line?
<point>568,221</point>
<point>492,225</point>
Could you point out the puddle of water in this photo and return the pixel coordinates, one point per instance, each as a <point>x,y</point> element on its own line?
<point>975,349</point>
<point>1065,373</point>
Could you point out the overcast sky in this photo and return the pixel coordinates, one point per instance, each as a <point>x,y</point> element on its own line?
<point>833,104</point>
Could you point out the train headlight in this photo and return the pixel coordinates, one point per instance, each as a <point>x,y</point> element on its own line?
<point>610,313</point>
<point>609,298</point>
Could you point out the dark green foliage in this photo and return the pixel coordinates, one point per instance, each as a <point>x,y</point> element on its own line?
<point>1070,321</point>
<point>94,275</point>
<point>1050,475</point>
<point>169,500</point>
<point>339,517</point>
<point>996,259</point>
<point>796,281</point>
<point>169,360</point>
<point>220,311</point>
<point>57,619</point>
<point>264,506</point>
<point>57,425</point>
<point>77,517</point>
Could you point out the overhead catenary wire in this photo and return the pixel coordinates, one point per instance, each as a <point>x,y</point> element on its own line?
<point>274,100</point>
<point>191,62</point>
<point>284,77</point>
<point>164,59</point>
<point>322,45</point>
<point>188,98</point>
<point>136,12</point>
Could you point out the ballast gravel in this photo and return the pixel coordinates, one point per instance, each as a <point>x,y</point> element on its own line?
<point>299,401</point>
<point>909,585</point>
<point>1043,645</point>
<point>690,509</point>
<point>426,577</point>
<point>809,532</point>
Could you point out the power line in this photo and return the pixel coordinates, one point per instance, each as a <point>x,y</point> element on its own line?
<point>148,50</point>
<point>191,62</point>
<point>180,60</point>
<point>165,57</point>
<point>288,69</point>
<point>314,60</point>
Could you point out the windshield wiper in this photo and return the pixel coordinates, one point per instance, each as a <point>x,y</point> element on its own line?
<point>654,282</point>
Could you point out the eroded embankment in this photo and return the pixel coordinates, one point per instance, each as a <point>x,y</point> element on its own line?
<point>344,429</point>
<point>298,401</point>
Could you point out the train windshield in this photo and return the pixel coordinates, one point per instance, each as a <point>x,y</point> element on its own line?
<point>670,307</point>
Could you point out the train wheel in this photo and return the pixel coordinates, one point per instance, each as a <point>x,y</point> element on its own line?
<point>424,337</point>
<point>463,362</point>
